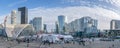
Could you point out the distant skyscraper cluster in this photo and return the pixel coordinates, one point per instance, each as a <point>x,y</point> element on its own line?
<point>84,24</point>
<point>18,17</point>
<point>16,24</point>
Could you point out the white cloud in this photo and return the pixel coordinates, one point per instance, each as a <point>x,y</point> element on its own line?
<point>102,3</point>
<point>114,2</point>
<point>49,15</point>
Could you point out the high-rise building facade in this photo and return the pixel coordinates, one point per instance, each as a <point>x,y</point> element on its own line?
<point>61,23</point>
<point>37,24</point>
<point>24,15</point>
<point>45,28</point>
<point>115,24</point>
<point>18,17</point>
<point>13,17</point>
<point>88,24</point>
<point>56,28</point>
<point>84,24</point>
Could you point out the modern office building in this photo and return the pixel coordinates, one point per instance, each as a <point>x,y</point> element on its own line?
<point>56,28</point>
<point>84,24</point>
<point>61,23</point>
<point>37,24</point>
<point>45,28</point>
<point>89,25</point>
<point>18,17</point>
<point>114,28</point>
<point>115,24</point>
<point>13,17</point>
<point>24,15</point>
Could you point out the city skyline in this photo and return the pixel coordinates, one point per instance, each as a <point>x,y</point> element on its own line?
<point>73,9</point>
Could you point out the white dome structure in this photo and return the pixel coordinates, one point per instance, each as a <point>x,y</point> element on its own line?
<point>16,30</point>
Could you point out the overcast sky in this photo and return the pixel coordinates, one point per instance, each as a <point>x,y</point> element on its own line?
<point>49,10</point>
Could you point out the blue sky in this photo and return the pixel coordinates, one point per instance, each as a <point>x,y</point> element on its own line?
<point>7,5</point>
<point>103,10</point>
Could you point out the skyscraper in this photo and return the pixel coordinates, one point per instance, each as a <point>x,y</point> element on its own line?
<point>88,24</point>
<point>37,24</point>
<point>45,28</point>
<point>84,24</point>
<point>61,23</point>
<point>13,17</point>
<point>57,28</point>
<point>18,17</point>
<point>24,15</point>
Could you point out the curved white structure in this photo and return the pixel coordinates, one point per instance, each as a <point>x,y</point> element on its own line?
<point>16,30</point>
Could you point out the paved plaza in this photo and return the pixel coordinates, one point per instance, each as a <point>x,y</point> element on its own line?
<point>36,44</point>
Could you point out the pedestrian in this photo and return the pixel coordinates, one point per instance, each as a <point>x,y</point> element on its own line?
<point>113,45</point>
<point>79,42</point>
<point>18,41</point>
<point>73,42</point>
<point>109,47</point>
<point>82,42</point>
<point>28,42</point>
<point>90,41</point>
<point>48,42</point>
<point>62,42</point>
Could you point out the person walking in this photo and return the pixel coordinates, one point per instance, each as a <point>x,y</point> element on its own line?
<point>18,41</point>
<point>28,40</point>
<point>83,42</point>
<point>62,42</point>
